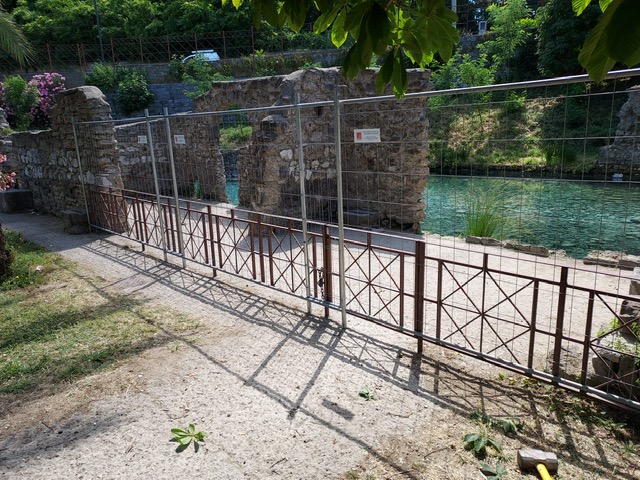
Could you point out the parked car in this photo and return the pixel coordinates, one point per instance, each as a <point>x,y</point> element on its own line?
<point>208,55</point>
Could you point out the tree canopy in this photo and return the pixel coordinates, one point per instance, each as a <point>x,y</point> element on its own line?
<point>420,29</point>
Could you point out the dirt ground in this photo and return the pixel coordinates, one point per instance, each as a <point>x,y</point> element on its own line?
<point>280,394</point>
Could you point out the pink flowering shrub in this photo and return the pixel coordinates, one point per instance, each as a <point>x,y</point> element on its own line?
<point>47,85</point>
<point>7,180</point>
<point>28,104</point>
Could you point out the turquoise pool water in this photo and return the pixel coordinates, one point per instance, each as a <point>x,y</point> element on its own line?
<point>573,216</point>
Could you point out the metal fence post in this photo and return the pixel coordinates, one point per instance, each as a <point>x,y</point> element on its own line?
<point>175,188</point>
<point>559,333</point>
<point>327,270</point>
<point>342,279</point>
<point>303,202</point>
<point>82,186</point>
<point>156,184</point>
<point>418,310</point>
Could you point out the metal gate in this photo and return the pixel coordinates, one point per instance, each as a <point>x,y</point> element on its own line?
<point>538,317</point>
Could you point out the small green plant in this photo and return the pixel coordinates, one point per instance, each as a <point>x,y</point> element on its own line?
<point>235,136</point>
<point>479,442</point>
<point>506,424</point>
<point>106,77</point>
<point>185,437</point>
<point>132,93</point>
<point>197,190</point>
<point>366,394</point>
<point>485,216</point>
<point>493,473</point>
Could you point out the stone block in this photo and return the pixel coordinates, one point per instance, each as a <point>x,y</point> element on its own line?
<point>16,200</point>
<point>634,286</point>
<point>605,258</point>
<point>486,241</point>
<point>75,222</point>
<point>361,218</point>
<point>630,262</point>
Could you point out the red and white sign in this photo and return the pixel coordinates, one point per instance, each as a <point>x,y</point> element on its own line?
<point>366,135</point>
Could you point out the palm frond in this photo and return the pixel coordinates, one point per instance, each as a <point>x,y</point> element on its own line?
<point>12,40</point>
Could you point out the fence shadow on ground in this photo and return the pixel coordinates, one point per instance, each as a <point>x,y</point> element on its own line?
<point>439,377</point>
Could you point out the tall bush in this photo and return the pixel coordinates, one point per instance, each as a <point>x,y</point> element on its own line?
<point>48,86</point>
<point>18,97</point>
<point>133,94</point>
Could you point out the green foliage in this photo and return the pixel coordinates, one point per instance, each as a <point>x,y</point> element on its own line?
<point>12,39</point>
<point>366,394</point>
<point>30,263</point>
<point>479,442</point>
<point>493,473</point>
<point>616,37</point>
<point>417,30</point>
<point>185,437</point>
<point>560,34</point>
<point>132,93</point>
<point>18,98</point>
<point>486,213</point>
<point>509,425</point>
<point>235,136</point>
<point>6,257</point>
<point>106,77</point>
<point>511,28</point>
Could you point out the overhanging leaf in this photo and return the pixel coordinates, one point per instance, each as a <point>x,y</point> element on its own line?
<point>338,33</point>
<point>326,19</point>
<point>623,35</point>
<point>384,75</point>
<point>594,55</point>
<point>579,5</point>
<point>399,76</point>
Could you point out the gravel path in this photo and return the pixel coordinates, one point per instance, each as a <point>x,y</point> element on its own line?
<point>276,390</point>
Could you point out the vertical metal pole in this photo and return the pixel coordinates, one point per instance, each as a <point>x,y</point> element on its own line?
<point>559,333</point>
<point>156,184</point>
<point>175,187</point>
<point>84,191</point>
<point>418,309</point>
<point>342,279</point>
<point>303,202</point>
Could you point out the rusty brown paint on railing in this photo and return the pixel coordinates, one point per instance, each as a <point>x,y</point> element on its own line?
<point>270,256</point>
<point>419,273</point>
<point>221,261</point>
<point>439,301</point>
<point>533,323</point>
<point>254,273</point>
<point>587,336</point>
<point>212,245</point>
<point>263,275</point>
<point>326,268</point>
<point>559,332</point>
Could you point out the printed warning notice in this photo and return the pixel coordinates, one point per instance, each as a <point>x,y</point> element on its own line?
<point>366,135</point>
<point>142,139</point>
<point>179,140</point>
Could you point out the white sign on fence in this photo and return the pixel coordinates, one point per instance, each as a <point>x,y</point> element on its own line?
<point>142,139</point>
<point>366,135</point>
<point>179,140</point>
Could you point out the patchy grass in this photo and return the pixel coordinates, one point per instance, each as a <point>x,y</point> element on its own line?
<point>32,264</point>
<point>233,137</point>
<point>57,324</point>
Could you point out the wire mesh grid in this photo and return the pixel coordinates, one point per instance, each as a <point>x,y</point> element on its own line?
<point>239,177</point>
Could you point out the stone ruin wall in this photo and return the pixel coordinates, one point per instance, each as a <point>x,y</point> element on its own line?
<point>385,179</point>
<point>624,154</point>
<point>47,163</point>
<point>197,160</point>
